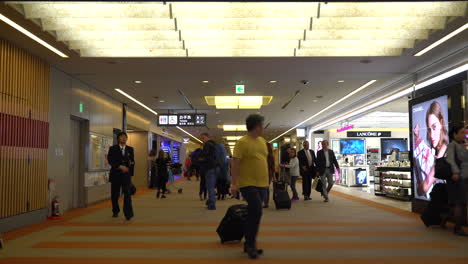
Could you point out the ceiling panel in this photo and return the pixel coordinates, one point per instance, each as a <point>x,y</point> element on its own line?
<point>236,29</point>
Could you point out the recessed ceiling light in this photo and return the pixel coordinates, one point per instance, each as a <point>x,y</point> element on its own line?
<point>162,101</point>
<point>315,100</point>
<point>273,81</point>
<point>205,81</point>
<point>341,81</point>
<point>138,81</point>
<point>217,113</point>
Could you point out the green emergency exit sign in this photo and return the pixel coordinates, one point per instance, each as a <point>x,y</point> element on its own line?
<point>275,144</point>
<point>81,108</point>
<point>240,89</point>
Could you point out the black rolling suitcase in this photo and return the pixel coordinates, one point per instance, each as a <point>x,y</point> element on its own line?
<point>280,193</point>
<point>231,228</point>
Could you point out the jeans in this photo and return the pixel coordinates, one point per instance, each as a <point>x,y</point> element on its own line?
<point>116,187</point>
<point>327,182</point>
<point>211,179</point>
<point>254,197</point>
<point>293,186</point>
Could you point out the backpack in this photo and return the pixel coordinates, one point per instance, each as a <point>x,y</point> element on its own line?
<point>221,156</point>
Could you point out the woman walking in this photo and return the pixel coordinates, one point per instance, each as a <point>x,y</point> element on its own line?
<point>293,171</point>
<point>163,175</point>
<point>457,185</point>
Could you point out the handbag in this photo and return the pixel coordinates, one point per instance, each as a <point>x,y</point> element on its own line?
<point>443,169</point>
<point>132,189</point>
<point>319,186</point>
<point>315,182</point>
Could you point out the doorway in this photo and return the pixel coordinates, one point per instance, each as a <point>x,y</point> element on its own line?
<point>74,183</point>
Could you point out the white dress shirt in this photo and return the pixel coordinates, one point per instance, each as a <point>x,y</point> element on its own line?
<point>309,157</point>
<point>122,149</point>
<point>327,158</point>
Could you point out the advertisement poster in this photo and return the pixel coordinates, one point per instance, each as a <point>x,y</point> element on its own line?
<point>318,144</point>
<point>430,141</point>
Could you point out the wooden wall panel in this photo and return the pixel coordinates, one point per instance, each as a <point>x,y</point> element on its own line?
<point>24,131</point>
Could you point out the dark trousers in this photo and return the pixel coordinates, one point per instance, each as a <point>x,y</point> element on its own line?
<point>254,197</point>
<point>203,186</point>
<point>306,184</point>
<point>122,185</point>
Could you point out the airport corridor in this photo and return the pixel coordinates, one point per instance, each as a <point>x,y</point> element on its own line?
<point>179,230</point>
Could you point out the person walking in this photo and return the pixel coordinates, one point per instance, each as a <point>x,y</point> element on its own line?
<point>271,174</point>
<point>196,167</point>
<point>211,166</point>
<point>163,176</point>
<point>153,170</point>
<point>457,185</point>
<point>308,170</point>
<point>326,163</point>
<point>293,172</point>
<point>250,177</point>
<point>121,158</point>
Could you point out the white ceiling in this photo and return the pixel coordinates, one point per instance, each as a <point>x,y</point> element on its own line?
<point>236,29</point>
<point>163,77</point>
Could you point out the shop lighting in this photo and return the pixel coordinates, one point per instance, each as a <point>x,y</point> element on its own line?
<point>442,40</point>
<point>328,107</point>
<point>136,101</point>
<point>442,76</point>
<point>32,36</point>
<point>231,143</point>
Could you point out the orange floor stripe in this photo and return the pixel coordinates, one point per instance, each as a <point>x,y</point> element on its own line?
<point>376,205</point>
<point>266,245</point>
<point>264,260</point>
<point>214,224</point>
<point>295,233</point>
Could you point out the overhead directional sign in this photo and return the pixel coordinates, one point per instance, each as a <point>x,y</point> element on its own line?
<point>182,120</point>
<point>240,89</point>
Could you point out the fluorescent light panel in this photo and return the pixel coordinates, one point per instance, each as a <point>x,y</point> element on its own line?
<point>328,107</point>
<point>238,102</point>
<point>136,101</point>
<point>231,138</point>
<point>442,40</point>
<point>181,129</point>
<point>32,36</point>
<point>234,127</point>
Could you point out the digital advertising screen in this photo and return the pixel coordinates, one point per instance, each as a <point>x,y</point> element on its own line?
<point>352,146</point>
<point>361,176</point>
<point>389,144</point>
<point>430,139</point>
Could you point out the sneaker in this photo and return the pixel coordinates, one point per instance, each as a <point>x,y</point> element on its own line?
<point>326,200</point>
<point>211,207</point>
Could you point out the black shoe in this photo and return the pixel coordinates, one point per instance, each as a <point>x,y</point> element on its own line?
<point>128,218</point>
<point>163,196</point>
<point>266,206</point>
<point>115,215</point>
<point>158,195</point>
<point>253,253</point>
<point>259,251</point>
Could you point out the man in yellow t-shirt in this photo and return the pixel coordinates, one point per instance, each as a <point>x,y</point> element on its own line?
<point>250,177</point>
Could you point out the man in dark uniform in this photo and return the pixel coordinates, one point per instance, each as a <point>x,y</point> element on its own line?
<point>307,164</point>
<point>122,161</point>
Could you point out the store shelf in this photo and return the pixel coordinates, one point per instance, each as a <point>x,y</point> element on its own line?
<point>395,178</point>
<point>393,169</point>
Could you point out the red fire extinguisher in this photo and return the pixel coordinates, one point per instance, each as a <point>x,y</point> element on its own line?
<point>55,207</point>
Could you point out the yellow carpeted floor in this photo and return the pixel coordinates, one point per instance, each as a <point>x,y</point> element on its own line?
<point>180,230</point>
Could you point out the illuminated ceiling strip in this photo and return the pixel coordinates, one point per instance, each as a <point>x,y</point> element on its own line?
<point>32,36</point>
<point>136,101</point>
<point>328,107</point>
<point>152,111</point>
<point>190,134</point>
<point>442,40</point>
<point>393,96</point>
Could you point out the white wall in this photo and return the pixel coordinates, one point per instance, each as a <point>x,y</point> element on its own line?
<point>103,113</point>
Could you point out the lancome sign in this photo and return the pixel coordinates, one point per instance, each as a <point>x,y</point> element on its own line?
<point>369,133</point>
